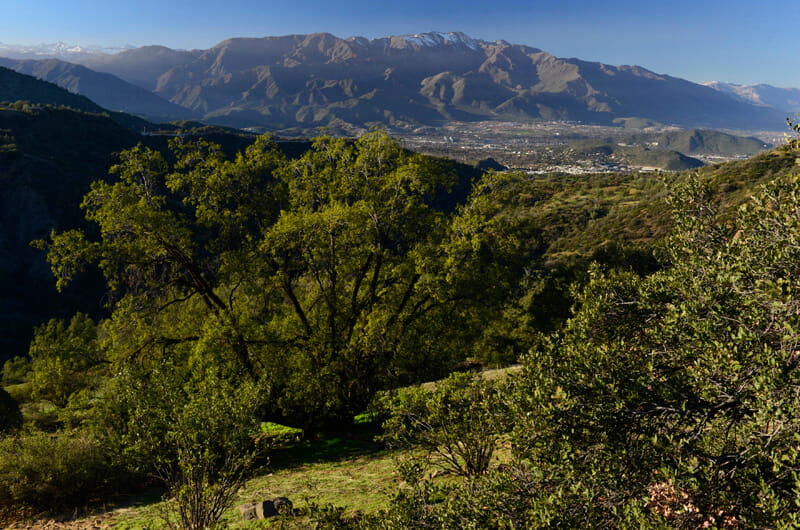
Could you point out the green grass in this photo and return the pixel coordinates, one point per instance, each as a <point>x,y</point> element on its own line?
<point>353,473</point>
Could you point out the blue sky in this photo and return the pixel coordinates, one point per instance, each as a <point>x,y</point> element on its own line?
<point>701,40</point>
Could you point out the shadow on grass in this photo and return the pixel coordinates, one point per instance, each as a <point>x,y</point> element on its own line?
<point>359,441</point>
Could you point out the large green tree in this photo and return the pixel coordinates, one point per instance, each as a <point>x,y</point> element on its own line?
<point>328,276</point>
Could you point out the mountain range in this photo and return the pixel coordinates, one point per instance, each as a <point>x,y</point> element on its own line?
<point>306,82</point>
<point>785,99</point>
<point>63,50</point>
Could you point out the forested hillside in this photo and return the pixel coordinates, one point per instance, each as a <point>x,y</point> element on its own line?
<point>48,157</point>
<point>655,315</point>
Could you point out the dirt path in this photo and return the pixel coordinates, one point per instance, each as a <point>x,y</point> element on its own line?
<point>95,522</point>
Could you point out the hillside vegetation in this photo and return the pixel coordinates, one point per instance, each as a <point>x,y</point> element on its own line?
<point>705,142</point>
<point>655,315</point>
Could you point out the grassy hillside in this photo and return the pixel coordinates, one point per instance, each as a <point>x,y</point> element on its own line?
<point>577,215</point>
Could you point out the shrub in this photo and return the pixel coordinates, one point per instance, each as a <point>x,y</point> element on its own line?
<point>457,424</point>
<point>190,429</point>
<point>46,472</point>
<point>15,371</point>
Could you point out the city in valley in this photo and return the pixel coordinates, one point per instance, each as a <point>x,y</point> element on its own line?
<point>568,147</point>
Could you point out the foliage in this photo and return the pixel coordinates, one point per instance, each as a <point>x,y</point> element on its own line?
<point>62,358</point>
<point>44,472</point>
<point>192,431</point>
<point>457,424</point>
<point>15,371</point>
<point>679,388</point>
<point>329,277</point>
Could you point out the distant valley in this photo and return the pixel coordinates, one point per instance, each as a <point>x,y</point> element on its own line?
<point>545,147</point>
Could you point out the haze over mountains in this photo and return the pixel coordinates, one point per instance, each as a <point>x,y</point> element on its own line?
<point>62,50</point>
<point>108,91</point>
<point>786,99</point>
<point>302,82</point>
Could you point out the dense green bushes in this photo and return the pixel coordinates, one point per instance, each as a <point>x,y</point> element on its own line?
<point>264,288</point>
<point>456,425</point>
<point>46,472</point>
<point>666,401</point>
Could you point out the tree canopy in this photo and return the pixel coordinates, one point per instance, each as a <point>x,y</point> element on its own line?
<point>329,276</point>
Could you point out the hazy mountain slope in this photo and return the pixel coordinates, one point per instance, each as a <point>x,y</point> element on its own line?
<point>640,92</point>
<point>140,66</point>
<point>784,99</point>
<point>319,79</point>
<point>19,87</point>
<point>108,91</point>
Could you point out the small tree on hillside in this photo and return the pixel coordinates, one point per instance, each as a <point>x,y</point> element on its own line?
<point>457,424</point>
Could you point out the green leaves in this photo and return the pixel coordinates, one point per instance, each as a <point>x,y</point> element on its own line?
<point>63,356</point>
<point>329,276</point>
<point>344,254</point>
<point>684,381</point>
<point>457,424</point>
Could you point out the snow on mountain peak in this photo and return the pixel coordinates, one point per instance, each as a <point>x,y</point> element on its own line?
<point>436,38</point>
<point>59,49</point>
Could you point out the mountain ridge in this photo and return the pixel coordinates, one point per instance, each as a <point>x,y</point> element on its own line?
<point>785,99</point>
<point>105,89</point>
<point>318,80</point>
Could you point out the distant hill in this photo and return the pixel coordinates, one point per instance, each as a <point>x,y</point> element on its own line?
<point>672,151</point>
<point>784,99</point>
<point>629,155</point>
<point>16,87</point>
<point>705,142</point>
<point>108,91</point>
<point>311,81</point>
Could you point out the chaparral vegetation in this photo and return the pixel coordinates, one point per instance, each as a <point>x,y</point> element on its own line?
<point>255,298</point>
